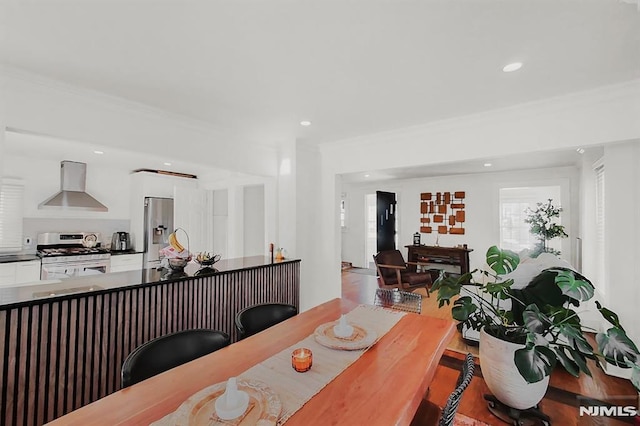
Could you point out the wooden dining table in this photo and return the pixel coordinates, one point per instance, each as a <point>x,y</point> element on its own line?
<point>384,386</point>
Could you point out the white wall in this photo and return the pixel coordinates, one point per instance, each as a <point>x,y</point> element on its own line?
<point>309,234</point>
<point>622,233</point>
<point>287,208</point>
<point>48,107</point>
<point>481,209</point>
<point>108,185</point>
<point>604,115</point>
<point>220,221</point>
<point>254,231</point>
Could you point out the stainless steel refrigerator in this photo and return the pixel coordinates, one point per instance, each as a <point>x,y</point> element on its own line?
<point>158,224</point>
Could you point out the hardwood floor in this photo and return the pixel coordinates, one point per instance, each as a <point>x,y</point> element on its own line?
<point>561,403</point>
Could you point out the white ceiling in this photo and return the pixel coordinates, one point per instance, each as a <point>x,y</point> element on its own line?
<point>256,68</point>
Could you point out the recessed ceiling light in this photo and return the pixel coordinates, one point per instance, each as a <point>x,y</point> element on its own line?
<point>515,66</point>
<point>488,164</point>
<point>366,175</point>
<point>580,150</point>
<point>98,152</point>
<point>167,164</point>
<point>305,123</point>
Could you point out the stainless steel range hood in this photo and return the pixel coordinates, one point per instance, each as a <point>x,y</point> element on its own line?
<point>72,195</point>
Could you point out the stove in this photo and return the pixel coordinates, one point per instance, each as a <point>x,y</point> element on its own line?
<point>66,255</point>
<point>71,251</point>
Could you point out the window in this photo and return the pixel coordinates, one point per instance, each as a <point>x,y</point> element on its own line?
<point>343,211</point>
<point>514,232</point>
<point>11,200</point>
<point>370,229</point>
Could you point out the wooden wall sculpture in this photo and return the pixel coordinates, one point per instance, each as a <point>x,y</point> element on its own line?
<point>442,212</point>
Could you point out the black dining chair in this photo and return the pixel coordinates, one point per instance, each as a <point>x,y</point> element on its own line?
<point>169,351</point>
<point>254,319</point>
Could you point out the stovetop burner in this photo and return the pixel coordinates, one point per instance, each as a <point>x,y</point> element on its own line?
<point>70,251</point>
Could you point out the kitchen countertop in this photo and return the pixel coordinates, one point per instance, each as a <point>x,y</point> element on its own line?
<point>18,258</point>
<point>105,282</point>
<point>33,256</point>
<point>123,252</point>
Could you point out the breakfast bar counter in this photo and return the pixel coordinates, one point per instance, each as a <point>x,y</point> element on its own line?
<point>18,295</point>
<point>65,341</point>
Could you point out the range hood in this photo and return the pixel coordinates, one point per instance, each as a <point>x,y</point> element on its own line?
<point>72,195</point>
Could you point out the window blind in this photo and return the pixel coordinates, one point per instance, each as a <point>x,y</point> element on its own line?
<point>11,206</point>
<point>600,212</point>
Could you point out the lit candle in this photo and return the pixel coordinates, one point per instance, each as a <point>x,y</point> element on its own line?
<point>301,360</point>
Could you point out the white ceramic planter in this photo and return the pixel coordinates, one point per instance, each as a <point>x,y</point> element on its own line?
<point>502,376</point>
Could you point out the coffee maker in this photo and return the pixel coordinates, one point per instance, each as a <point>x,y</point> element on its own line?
<point>120,241</point>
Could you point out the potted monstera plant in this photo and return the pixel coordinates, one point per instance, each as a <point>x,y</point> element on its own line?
<point>530,332</point>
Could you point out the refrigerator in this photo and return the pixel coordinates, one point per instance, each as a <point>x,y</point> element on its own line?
<point>158,224</point>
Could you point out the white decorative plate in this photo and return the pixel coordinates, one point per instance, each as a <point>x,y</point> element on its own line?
<point>361,338</point>
<point>199,409</point>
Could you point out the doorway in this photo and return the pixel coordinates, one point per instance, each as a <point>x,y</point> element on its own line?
<point>385,220</point>
<point>380,224</point>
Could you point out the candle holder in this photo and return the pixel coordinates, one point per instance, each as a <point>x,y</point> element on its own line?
<point>301,360</point>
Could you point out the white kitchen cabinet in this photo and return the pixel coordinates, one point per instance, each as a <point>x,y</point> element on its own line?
<point>13,273</point>
<point>7,274</point>
<point>126,262</point>
<point>27,272</point>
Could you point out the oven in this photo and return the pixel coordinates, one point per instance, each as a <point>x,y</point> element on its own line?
<point>72,255</point>
<point>74,266</point>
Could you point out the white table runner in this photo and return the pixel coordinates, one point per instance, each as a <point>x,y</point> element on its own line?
<point>295,389</point>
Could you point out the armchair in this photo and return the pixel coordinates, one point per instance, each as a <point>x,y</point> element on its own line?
<point>393,272</point>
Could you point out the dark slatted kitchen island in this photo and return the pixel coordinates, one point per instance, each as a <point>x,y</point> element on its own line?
<point>63,343</point>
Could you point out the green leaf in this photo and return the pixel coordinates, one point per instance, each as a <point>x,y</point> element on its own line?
<point>498,289</point>
<point>578,289</point>
<point>617,348</point>
<point>534,320</point>
<point>438,282</point>
<point>445,293</point>
<point>575,338</point>
<point>561,315</point>
<point>502,261</point>
<point>450,281</point>
<point>568,364</point>
<point>610,316</point>
<point>581,360</point>
<point>463,308</point>
<point>534,364</point>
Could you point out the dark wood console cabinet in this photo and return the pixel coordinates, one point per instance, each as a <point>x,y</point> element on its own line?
<point>439,256</point>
